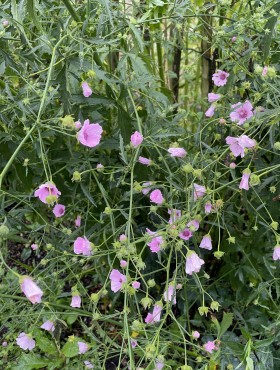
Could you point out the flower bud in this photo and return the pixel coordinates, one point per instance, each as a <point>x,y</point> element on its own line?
<point>76,176</point>
<point>4,231</point>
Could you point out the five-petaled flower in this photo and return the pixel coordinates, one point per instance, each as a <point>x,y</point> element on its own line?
<point>90,134</point>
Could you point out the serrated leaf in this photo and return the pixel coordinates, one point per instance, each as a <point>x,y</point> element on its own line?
<point>46,345</point>
<point>225,324</point>
<point>29,361</point>
<point>70,349</point>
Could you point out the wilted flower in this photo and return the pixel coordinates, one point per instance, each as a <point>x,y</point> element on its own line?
<point>210,346</point>
<point>136,139</point>
<point>153,317</point>
<point>208,208</point>
<point>117,280</point>
<point>193,263</point>
<point>82,246</point>
<point>145,161</point>
<point>30,289</point>
<point>238,144</point>
<point>59,210</point>
<point>206,242</point>
<point>47,193</point>
<point>156,196</point>
<point>212,97</point>
<point>242,112</point>
<point>78,221</point>
<point>244,183</point>
<point>34,247</point>
<point>175,214</point>
<point>220,78</point>
<point>170,294</point>
<point>146,187</point>
<point>193,225</point>
<point>210,111</point>
<point>177,152</point>
<point>86,90</point>
<point>133,343</point>
<point>88,365</point>
<point>90,134</point>
<point>48,325</point>
<point>25,341</point>
<point>199,191</point>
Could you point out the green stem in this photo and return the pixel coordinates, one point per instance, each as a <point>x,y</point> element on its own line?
<point>71,10</point>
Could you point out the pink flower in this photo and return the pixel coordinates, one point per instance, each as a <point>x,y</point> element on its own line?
<point>232,165</point>
<point>220,78</point>
<point>78,125</point>
<point>34,247</point>
<point>5,23</point>
<point>146,187</point>
<point>193,263</point>
<point>175,214</point>
<point>145,161</point>
<point>156,197</point>
<point>86,90</point>
<point>136,139</point>
<point>135,284</point>
<point>159,365</point>
<point>210,346</point>
<point>99,166</point>
<point>25,341</point>
<point>123,238</point>
<point>210,111</point>
<point>4,344</point>
<point>133,343</point>
<point>170,294</point>
<point>186,234</point>
<point>78,221</point>
<point>30,289</point>
<point>276,253</point>
<point>193,225</point>
<point>238,144</point>
<point>123,263</point>
<point>83,347</point>
<point>156,242</point>
<point>195,334</point>
<point>59,210</point>
<point>153,317</point>
<point>233,39</point>
<point>199,191</point>
<point>244,183</point>
<point>212,97</point>
<point>82,246</point>
<point>208,208</point>
<point>206,242</point>
<point>117,280</point>
<point>242,112</point>
<point>48,325</point>
<point>88,365</point>
<point>264,71</point>
<point>76,301</point>
<point>177,152</point>
<point>90,134</point>
<point>46,191</point>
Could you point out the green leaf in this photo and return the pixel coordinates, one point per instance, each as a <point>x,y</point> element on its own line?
<point>31,361</point>
<point>46,345</point>
<point>70,349</point>
<point>225,324</point>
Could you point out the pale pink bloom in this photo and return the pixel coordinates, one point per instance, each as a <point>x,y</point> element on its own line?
<point>145,161</point>
<point>220,78</point>
<point>177,152</point>
<point>153,317</point>
<point>232,165</point>
<point>88,365</point>
<point>194,224</point>
<point>156,242</point>
<point>34,247</point>
<point>156,197</point>
<point>90,134</point>
<point>5,23</point>
<point>78,125</point>
<point>45,190</point>
<point>195,334</point>
<point>123,263</point>
<point>179,286</point>
<point>159,365</point>
<point>210,346</point>
<point>48,325</point>
<point>238,144</point>
<point>133,343</point>
<point>117,280</point>
<point>99,166</point>
<point>233,39</point>
<point>175,214</point>
<point>123,238</point>
<point>135,284</point>
<point>206,242</point>
<point>170,294</point>
<point>4,344</point>
<point>86,90</point>
<point>186,234</point>
<point>276,253</point>
<point>78,221</point>
<point>222,121</point>
<point>82,246</point>
<point>264,71</point>
<point>76,301</point>
<point>210,111</point>
<point>136,139</point>
<point>212,97</point>
<point>199,191</point>
<point>208,208</point>
<point>244,183</point>
<point>146,187</point>
<point>193,263</point>
<point>83,347</point>
<point>31,290</point>
<point>59,210</point>
<point>25,341</point>
<point>242,112</point>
